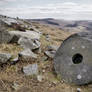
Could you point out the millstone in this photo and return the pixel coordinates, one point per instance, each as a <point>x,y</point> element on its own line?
<point>73,59</point>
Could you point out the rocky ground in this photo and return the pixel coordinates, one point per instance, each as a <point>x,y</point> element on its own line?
<point>26,58</point>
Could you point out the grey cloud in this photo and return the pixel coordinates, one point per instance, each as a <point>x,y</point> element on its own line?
<point>67,10</point>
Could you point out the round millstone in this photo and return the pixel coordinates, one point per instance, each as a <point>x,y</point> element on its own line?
<point>73,59</point>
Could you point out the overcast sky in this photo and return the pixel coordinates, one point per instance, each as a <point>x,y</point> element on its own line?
<point>59,9</point>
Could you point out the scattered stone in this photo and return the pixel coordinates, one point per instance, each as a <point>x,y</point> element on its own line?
<point>4,57</point>
<point>50,54</point>
<point>44,58</point>
<point>40,78</point>
<point>27,55</point>
<point>14,61</point>
<point>47,37</point>
<point>43,71</point>
<point>31,69</point>
<point>16,86</point>
<point>52,48</point>
<point>78,90</point>
<point>27,43</point>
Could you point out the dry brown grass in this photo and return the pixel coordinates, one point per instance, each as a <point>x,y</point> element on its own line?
<point>51,82</point>
<point>57,35</point>
<point>13,49</point>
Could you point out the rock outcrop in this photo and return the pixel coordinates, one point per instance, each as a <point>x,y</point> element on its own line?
<point>27,39</point>
<point>27,34</point>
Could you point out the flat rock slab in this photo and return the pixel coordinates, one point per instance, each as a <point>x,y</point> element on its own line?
<point>27,34</point>
<point>9,21</point>
<point>52,47</point>
<point>31,69</point>
<point>73,59</point>
<point>50,54</point>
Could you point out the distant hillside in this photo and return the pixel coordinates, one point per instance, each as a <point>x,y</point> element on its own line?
<point>65,24</point>
<point>52,22</point>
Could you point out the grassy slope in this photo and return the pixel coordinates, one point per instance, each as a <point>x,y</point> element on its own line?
<point>51,83</point>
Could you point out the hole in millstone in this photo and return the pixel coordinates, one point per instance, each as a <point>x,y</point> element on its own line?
<point>77,58</point>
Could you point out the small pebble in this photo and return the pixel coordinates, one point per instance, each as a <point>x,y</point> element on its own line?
<point>78,90</point>
<point>43,71</point>
<point>39,78</point>
<point>15,86</point>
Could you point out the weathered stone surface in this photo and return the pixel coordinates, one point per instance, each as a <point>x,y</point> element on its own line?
<point>31,69</point>
<point>27,55</point>
<point>27,34</point>
<point>4,57</point>
<point>73,59</point>
<point>28,43</point>
<point>9,21</point>
<point>5,37</point>
<point>14,38</point>
<point>50,54</point>
<point>37,44</point>
<point>51,50</point>
<point>52,47</point>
